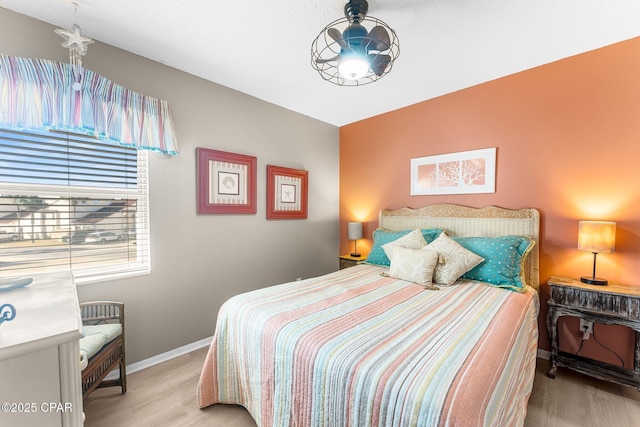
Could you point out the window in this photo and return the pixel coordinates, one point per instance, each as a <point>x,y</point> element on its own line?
<point>70,201</point>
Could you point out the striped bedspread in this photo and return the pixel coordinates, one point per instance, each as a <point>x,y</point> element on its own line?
<point>354,348</point>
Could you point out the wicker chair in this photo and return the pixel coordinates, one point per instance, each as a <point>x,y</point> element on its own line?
<point>110,356</point>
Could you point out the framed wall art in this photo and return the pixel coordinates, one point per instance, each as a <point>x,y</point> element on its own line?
<point>466,172</point>
<point>226,182</point>
<point>286,193</point>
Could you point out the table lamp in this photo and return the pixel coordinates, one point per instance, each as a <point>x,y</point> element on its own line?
<point>598,237</point>
<point>354,232</point>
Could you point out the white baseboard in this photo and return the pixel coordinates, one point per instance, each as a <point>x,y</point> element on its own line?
<point>155,360</point>
<point>544,354</point>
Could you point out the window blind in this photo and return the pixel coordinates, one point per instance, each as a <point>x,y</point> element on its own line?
<point>70,201</point>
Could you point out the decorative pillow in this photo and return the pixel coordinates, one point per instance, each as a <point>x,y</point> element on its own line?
<point>381,237</point>
<point>456,260</point>
<point>431,234</point>
<point>504,259</point>
<point>411,240</point>
<point>413,265</point>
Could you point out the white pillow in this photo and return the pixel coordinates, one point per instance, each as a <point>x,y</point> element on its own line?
<point>413,265</point>
<point>411,240</point>
<point>455,260</point>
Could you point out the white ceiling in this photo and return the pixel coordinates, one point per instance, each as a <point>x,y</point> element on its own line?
<point>263,48</point>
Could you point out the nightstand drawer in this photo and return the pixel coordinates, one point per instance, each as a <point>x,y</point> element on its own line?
<point>347,261</point>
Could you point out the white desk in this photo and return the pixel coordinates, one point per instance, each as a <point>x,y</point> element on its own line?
<point>39,354</point>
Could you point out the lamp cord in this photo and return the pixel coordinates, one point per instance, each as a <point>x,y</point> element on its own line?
<point>581,344</point>
<point>605,347</point>
<point>601,345</point>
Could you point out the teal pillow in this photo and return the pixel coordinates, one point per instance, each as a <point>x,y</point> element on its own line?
<point>381,237</point>
<point>504,257</point>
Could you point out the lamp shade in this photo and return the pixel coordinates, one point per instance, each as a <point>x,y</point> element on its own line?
<point>597,236</point>
<point>354,230</point>
<point>353,67</point>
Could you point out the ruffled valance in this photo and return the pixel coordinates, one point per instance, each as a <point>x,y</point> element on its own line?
<point>38,94</point>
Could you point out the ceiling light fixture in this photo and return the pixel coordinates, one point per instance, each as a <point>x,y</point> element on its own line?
<point>77,45</point>
<point>355,50</point>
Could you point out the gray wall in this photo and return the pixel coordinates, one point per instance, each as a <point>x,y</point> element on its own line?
<point>198,261</point>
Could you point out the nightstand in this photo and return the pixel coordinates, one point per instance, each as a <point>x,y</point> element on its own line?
<point>612,304</point>
<point>349,261</point>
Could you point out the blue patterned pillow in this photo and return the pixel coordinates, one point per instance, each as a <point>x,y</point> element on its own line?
<point>381,237</point>
<point>503,264</point>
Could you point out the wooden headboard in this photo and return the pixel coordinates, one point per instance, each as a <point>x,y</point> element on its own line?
<point>463,221</point>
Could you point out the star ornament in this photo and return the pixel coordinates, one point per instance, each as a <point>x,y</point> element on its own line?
<point>74,40</point>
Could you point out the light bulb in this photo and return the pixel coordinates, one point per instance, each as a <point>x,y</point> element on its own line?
<point>353,67</point>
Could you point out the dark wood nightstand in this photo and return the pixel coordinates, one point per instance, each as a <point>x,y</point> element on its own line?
<point>612,304</point>
<point>349,261</point>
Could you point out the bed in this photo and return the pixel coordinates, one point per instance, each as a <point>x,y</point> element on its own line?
<point>362,347</point>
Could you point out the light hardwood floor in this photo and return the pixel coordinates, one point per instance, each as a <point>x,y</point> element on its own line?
<point>164,395</point>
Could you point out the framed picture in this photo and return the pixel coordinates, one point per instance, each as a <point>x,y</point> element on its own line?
<point>226,182</point>
<point>465,172</point>
<point>286,193</point>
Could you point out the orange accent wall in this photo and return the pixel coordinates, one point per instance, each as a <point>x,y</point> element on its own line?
<point>568,143</point>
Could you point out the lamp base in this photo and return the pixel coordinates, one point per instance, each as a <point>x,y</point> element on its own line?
<point>355,255</point>
<point>594,281</point>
